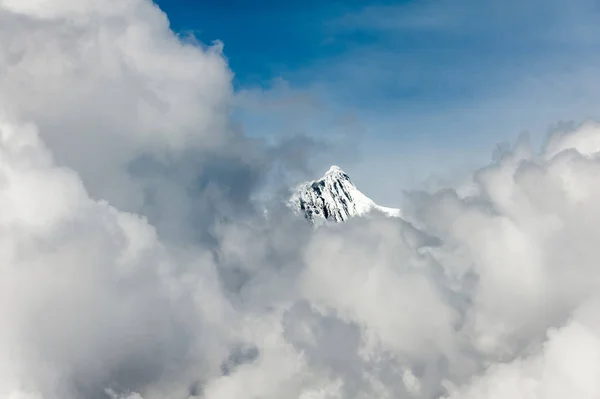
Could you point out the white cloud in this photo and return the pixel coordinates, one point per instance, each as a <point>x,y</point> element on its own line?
<point>106,81</point>
<point>89,295</point>
<point>567,366</point>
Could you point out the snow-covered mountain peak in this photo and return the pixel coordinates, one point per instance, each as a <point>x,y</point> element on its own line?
<point>334,171</point>
<point>334,198</point>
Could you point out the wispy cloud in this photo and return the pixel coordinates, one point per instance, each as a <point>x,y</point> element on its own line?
<point>441,74</point>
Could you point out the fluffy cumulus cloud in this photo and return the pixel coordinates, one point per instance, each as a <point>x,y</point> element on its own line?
<point>136,262</point>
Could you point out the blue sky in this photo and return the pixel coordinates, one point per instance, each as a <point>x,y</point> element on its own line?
<point>265,39</point>
<point>404,89</point>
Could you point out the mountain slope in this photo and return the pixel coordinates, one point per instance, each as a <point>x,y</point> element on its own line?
<point>334,198</point>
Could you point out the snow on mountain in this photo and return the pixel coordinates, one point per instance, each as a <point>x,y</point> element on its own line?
<point>334,198</point>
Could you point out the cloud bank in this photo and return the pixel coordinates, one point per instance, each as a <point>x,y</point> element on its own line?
<point>136,262</point>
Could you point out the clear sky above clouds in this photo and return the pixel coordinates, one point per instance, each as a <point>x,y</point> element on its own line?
<point>425,87</point>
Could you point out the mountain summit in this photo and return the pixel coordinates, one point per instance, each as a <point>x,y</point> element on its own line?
<point>334,198</point>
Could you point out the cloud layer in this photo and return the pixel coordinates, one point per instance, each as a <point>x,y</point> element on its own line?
<point>136,262</point>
